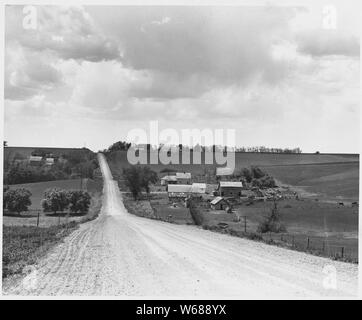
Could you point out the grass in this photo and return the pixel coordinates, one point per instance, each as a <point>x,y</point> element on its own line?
<point>328,226</point>
<point>329,181</point>
<point>158,207</point>
<point>23,245</point>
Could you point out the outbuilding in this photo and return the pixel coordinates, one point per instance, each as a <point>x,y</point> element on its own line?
<point>219,203</point>
<point>166,180</point>
<point>230,188</point>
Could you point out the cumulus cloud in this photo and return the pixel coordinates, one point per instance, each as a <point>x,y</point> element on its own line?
<point>328,42</point>
<point>231,67</point>
<point>69,32</point>
<point>27,74</point>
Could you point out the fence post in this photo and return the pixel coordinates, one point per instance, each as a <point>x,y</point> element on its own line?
<point>308,243</point>
<point>342,252</point>
<point>37,220</point>
<point>245,224</point>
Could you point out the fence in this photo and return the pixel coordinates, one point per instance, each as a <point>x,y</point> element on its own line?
<point>314,244</point>
<point>36,217</point>
<point>341,249</point>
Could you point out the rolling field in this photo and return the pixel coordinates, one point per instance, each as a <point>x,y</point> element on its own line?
<point>326,176</point>
<point>10,152</point>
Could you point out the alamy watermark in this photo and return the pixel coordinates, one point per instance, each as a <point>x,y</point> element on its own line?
<point>189,146</point>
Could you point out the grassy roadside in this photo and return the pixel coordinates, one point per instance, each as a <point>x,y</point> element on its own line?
<point>25,245</point>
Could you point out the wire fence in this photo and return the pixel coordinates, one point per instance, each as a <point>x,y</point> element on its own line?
<point>314,244</point>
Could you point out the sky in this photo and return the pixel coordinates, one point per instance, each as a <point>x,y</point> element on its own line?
<point>281,76</point>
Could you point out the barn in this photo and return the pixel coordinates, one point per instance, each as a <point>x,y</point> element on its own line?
<point>230,188</point>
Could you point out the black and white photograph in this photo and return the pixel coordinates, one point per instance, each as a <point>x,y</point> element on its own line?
<point>181,150</point>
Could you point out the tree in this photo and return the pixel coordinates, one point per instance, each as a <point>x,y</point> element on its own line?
<point>17,200</point>
<point>272,222</point>
<point>148,177</point>
<point>55,200</point>
<point>39,153</point>
<point>133,180</point>
<point>119,146</point>
<point>257,172</point>
<point>79,201</point>
<point>247,174</point>
<point>138,178</point>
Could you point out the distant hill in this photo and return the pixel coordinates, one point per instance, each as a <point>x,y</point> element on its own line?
<point>10,152</point>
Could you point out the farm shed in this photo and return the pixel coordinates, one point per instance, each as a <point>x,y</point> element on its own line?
<point>35,160</point>
<point>219,203</point>
<point>230,188</point>
<point>178,190</point>
<point>183,177</point>
<point>166,180</point>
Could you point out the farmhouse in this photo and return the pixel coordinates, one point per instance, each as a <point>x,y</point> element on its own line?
<point>183,177</point>
<point>219,203</point>
<point>230,188</point>
<point>166,180</point>
<point>35,160</point>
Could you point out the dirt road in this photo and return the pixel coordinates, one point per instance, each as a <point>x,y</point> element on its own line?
<point>121,254</point>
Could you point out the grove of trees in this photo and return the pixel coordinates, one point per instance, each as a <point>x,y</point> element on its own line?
<point>58,200</point>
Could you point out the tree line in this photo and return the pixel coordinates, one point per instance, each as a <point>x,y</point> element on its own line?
<point>124,146</point>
